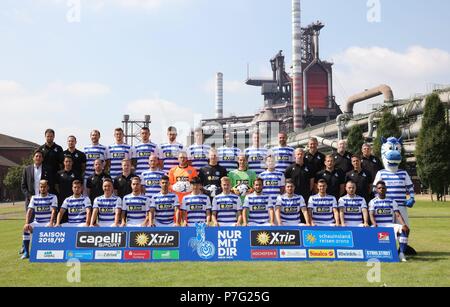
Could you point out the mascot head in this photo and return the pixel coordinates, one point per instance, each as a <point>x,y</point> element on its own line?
<point>391,153</point>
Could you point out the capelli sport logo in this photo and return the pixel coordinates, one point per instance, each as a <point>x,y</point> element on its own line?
<point>275,238</point>
<point>101,239</point>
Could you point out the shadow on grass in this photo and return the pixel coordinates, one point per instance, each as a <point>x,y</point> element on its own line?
<point>431,256</point>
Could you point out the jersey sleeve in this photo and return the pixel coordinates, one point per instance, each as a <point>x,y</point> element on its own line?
<point>278,201</point>
<point>118,203</point>
<point>183,204</point>
<point>64,205</point>
<point>214,204</point>
<point>334,202</point>
<point>302,202</point>
<point>176,202</point>
<point>271,203</point>
<point>371,206</point>
<point>395,206</point>
<point>246,203</point>
<point>375,181</point>
<point>239,204</point>
<point>363,203</point>
<point>87,203</point>
<point>409,184</point>
<point>95,205</point>
<point>208,204</point>
<point>341,202</point>
<point>148,202</point>
<point>107,153</point>
<point>31,204</point>
<point>54,202</point>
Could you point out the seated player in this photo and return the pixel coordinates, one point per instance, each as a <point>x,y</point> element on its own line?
<point>383,212</point>
<point>107,208</point>
<point>78,206</point>
<point>353,208</point>
<point>289,207</point>
<point>164,207</point>
<point>323,207</point>
<point>135,206</point>
<point>196,207</point>
<point>259,207</point>
<point>44,206</point>
<point>227,206</point>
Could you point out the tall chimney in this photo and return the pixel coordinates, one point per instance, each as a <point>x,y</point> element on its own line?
<point>219,95</point>
<point>297,66</point>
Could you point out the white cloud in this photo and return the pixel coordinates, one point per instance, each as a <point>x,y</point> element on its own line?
<point>9,87</point>
<point>87,89</point>
<point>408,73</point>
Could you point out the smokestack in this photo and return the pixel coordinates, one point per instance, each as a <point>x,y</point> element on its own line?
<point>297,66</point>
<point>219,95</point>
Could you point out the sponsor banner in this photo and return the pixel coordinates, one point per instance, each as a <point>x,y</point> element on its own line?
<point>108,255</point>
<point>137,255</point>
<point>101,239</point>
<point>50,255</point>
<point>80,254</point>
<point>166,255</point>
<point>317,238</point>
<point>350,254</point>
<point>293,254</point>
<point>264,253</point>
<point>321,254</point>
<point>154,239</point>
<point>379,254</point>
<point>383,237</point>
<point>269,237</point>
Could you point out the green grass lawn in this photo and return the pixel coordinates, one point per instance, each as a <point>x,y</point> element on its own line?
<point>430,236</point>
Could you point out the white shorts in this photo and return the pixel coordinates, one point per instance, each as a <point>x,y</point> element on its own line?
<point>73,225</point>
<point>227,224</point>
<point>135,225</point>
<point>106,224</point>
<point>157,224</point>
<point>36,224</point>
<point>253,224</point>
<point>404,212</point>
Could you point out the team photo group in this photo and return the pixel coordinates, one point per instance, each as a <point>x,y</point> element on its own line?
<point>168,185</point>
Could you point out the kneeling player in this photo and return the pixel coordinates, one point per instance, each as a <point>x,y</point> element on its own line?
<point>164,207</point>
<point>383,212</point>
<point>353,208</point>
<point>289,207</point>
<point>227,206</point>
<point>44,206</point>
<point>107,208</point>
<point>135,206</point>
<point>78,206</point>
<point>196,207</point>
<point>259,207</point>
<point>323,207</point>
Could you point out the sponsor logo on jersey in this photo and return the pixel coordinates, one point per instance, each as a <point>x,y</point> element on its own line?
<point>264,253</point>
<point>137,255</point>
<point>293,253</point>
<point>322,254</point>
<point>275,238</point>
<point>108,255</point>
<point>49,255</point>
<point>154,239</point>
<point>350,254</point>
<point>101,239</point>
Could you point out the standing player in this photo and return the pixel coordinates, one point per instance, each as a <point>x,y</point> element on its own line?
<point>79,208</point>
<point>323,207</point>
<point>151,178</point>
<point>242,179</point>
<point>211,175</point>
<point>335,178</point>
<point>135,206</point>
<point>94,183</point>
<point>283,154</point>
<point>259,207</point>
<point>256,155</point>
<point>181,176</point>
<point>314,159</point>
<point>117,153</point>
<point>94,152</point>
<point>289,207</point>
<point>342,158</point>
<point>353,208</point>
<point>107,208</point>
<point>228,154</point>
<point>384,212</point>
<point>226,207</point>
<point>198,152</point>
<point>169,151</point>
<point>44,208</point>
<point>196,207</point>
<point>164,207</point>
<point>143,151</point>
<point>273,180</point>
<point>78,157</point>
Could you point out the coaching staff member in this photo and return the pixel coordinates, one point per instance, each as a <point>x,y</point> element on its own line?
<point>53,158</point>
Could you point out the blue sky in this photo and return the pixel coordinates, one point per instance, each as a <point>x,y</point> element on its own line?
<point>160,57</point>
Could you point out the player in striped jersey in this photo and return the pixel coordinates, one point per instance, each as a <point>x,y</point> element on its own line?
<point>323,207</point>
<point>196,207</point>
<point>259,207</point>
<point>242,179</point>
<point>117,153</point>
<point>164,207</point>
<point>353,208</point>
<point>198,152</point>
<point>273,180</point>
<point>256,155</point>
<point>289,206</point>
<point>226,207</point>
<point>135,206</point>
<point>79,208</point>
<point>228,154</point>
<point>44,207</point>
<point>168,152</point>
<point>384,212</point>
<point>143,151</point>
<point>151,178</point>
<point>107,208</point>
<point>93,152</point>
<point>283,154</point>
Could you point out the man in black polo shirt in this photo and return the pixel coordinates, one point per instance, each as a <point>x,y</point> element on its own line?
<point>301,174</point>
<point>122,183</point>
<point>342,158</point>
<point>361,178</point>
<point>370,163</point>
<point>313,158</point>
<point>335,178</point>
<point>94,183</point>
<point>64,180</point>
<point>210,175</point>
<point>78,157</point>
<point>53,158</point>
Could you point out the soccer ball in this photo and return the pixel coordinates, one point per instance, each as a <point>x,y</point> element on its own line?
<point>242,189</point>
<point>182,187</point>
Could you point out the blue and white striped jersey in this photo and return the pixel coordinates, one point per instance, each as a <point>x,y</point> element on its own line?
<point>273,183</point>
<point>284,157</point>
<point>322,209</point>
<point>227,206</point>
<point>136,208</point>
<point>199,155</point>
<point>196,207</point>
<point>168,153</point>
<point>290,208</point>
<point>164,207</point>
<point>76,208</point>
<point>42,206</point>
<point>116,153</point>
<point>352,207</point>
<point>141,153</point>
<point>94,152</point>
<point>383,210</point>
<point>256,158</point>
<point>258,208</point>
<point>228,157</point>
<point>150,180</point>
<point>107,208</point>
<point>398,185</point>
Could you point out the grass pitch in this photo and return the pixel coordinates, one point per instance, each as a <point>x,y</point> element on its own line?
<point>430,236</point>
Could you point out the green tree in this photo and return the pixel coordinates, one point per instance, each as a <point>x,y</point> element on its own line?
<point>13,180</point>
<point>433,147</point>
<point>355,139</point>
